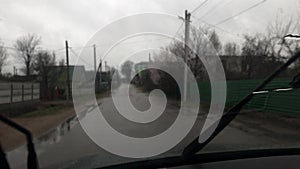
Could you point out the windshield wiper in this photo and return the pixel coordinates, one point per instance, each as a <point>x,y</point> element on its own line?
<point>196,146</point>
<point>175,161</point>
<point>32,162</point>
<point>3,160</point>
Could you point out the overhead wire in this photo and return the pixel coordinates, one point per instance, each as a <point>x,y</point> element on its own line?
<point>228,18</point>
<point>217,27</point>
<point>199,6</point>
<point>178,30</point>
<point>215,7</point>
<point>174,37</point>
<point>80,57</point>
<point>130,42</point>
<point>126,43</point>
<point>241,12</point>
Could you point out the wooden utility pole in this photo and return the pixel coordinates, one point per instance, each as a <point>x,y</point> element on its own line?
<point>186,51</point>
<point>98,77</point>
<point>68,72</point>
<point>95,61</point>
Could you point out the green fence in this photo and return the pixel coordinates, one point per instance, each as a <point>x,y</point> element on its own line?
<point>287,102</point>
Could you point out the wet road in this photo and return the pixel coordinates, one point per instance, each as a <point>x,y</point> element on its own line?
<point>68,146</point>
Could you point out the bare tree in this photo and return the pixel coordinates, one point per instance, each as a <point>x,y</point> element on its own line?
<point>204,42</point>
<point>231,49</point>
<point>61,62</point>
<point>26,48</point>
<point>256,51</point>
<point>43,60</point>
<point>3,57</point>
<point>126,69</point>
<point>277,30</point>
<point>199,40</point>
<point>42,65</point>
<point>214,39</point>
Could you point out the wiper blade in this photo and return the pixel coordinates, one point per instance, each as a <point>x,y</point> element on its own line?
<point>3,160</point>
<point>196,146</point>
<point>202,158</point>
<point>32,162</point>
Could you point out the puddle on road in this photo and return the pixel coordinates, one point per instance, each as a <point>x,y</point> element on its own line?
<point>18,157</point>
<point>55,134</point>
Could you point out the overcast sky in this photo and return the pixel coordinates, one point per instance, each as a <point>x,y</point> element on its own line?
<point>78,20</point>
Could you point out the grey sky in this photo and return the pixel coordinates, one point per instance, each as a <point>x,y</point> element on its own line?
<point>78,20</point>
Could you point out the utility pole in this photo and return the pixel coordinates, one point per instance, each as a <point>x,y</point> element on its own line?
<point>105,66</point>
<point>98,76</point>
<point>95,62</point>
<point>186,51</point>
<point>68,72</point>
<point>150,58</point>
<point>95,69</point>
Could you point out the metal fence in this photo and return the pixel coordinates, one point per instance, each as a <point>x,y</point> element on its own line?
<point>19,92</point>
<point>287,102</point>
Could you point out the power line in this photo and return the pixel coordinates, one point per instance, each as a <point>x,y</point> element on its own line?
<point>79,57</point>
<point>110,44</point>
<point>13,48</point>
<point>74,53</point>
<point>215,26</point>
<point>215,7</point>
<point>126,43</point>
<point>40,46</point>
<point>131,42</point>
<point>198,7</point>
<point>81,47</point>
<point>173,38</point>
<point>241,12</point>
<point>58,49</point>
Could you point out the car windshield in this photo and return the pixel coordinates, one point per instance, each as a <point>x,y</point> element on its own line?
<point>94,84</point>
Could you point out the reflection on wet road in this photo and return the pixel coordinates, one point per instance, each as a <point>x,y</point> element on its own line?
<point>68,146</point>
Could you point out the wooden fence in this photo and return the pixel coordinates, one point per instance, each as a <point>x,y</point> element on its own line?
<point>18,92</point>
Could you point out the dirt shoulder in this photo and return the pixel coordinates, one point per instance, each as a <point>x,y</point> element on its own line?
<point>37,124</point>
<point>47,116</point>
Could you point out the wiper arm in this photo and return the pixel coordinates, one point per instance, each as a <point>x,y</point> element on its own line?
<point>32,162</point>
<point>3,160</point>
<point>175,161</point>
<point>196,146</point>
